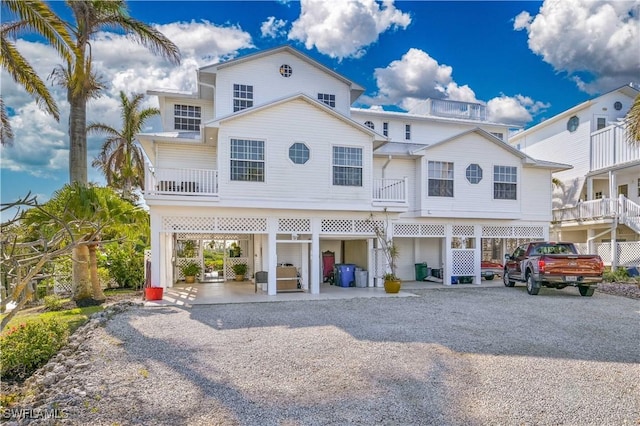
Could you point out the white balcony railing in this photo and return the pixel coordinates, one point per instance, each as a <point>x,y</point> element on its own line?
<point>609,147</point>
<point>167,181</point>
<point>390,190</point>
<point>626,210</point>
<point>452,109</point>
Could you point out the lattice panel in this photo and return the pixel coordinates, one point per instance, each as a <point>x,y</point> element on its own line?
<point>228,266</point>
<point>349,226</point>
<point>463,262</point>
<point>497,231</point>
<point>242,224</point>
<point>528,231</point>
<point>463,230</point>
<point>417,230</point>
<point>173,224</point>
<point>294,225</point>
<point>366,226</point>
<point>181,261</point>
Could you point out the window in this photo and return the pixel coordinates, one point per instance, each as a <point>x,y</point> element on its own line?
<point>440,179</point>
<point>638,187</point>
<point>617,105</point>
<point>601,123</point>
<point>505,182</point>
<point>598,195</point>
<point>286,70</point>
<point>347,166</point>
<point>242,97</point>
<point>299,153</point>
<point>247,160</point>
<point>370,125</point>
<point>186,117</point>
<point>572,124</point>
<point>385,128</point>
<point>327,99</point>
<point>498,135</point>
<point>407,132</point>
<point>474,173</point>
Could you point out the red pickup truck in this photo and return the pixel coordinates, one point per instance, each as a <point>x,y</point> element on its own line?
<point>554,265</point>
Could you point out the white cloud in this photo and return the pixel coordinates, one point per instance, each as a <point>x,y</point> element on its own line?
<point>417,76</point>
<point>41,144</point>
<point>599,38</point>
<point>273,27</point>
<point>342,29</point>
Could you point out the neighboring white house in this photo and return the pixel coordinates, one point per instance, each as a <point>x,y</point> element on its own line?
<point>268,153</point>
<point>598,204</point>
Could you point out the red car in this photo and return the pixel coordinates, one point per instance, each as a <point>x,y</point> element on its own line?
<point>490,269</point>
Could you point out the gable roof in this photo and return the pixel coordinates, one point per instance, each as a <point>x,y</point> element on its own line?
<point>356,89</point>
<point>313,102</point>
<point>527,161</point>
<point>627,89</point>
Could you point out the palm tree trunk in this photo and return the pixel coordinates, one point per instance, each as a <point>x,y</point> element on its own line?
<point>98,294</point>
<point>77,137</point>
<point>81,279</point>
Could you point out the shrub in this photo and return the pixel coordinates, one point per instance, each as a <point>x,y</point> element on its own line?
<point>53,302</point>
<point>618,275</point>
<point>126,265</point>
<point>29,346</point>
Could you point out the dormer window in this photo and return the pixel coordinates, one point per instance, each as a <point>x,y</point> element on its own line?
<point>187,117</point>
<point>370,125</point>
<point>327,99</point>
<point>242,97</point>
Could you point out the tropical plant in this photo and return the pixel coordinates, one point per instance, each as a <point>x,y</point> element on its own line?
<point>78,76</point>
<point>191,269</point>
<point>91,213</point>
<point>121,160</point>
<point>32,16</point>
<point>632,122</point>
<point>240,269</point>
<point>386,245</point>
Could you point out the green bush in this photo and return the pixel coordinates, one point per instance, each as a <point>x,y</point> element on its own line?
<point>125,265</point>
<point>53,302</point>
<point>618,275</point>
<point>27,347</point>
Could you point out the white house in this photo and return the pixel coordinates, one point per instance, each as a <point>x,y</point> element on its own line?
<point>598,204</point>
<point>268,153</point>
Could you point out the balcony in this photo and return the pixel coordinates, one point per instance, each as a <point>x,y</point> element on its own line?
<point>451,109</point>
<point>624,209</point>
<point>167,181</point>
<point>204,182</point>
<point>609,147</point>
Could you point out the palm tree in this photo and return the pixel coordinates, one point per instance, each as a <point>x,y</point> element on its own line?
<point>32,16</point>
<point>89,213</point>
<point>91,16</point>
<point>121,160</point>
<point>632,122</point>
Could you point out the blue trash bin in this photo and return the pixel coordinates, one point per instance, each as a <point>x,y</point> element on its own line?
<point>345,274</point>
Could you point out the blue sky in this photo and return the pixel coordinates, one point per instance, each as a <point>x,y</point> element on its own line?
<point>526,60</point>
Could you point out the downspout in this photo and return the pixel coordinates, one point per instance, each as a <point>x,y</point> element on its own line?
<point>384,166</point>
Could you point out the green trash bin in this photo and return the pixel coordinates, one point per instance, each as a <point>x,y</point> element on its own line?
<point>421,271</point>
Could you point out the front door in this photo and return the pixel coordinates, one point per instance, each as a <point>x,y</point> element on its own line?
<point>623,190</point>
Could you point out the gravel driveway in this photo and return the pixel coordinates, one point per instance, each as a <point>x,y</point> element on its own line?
<point>447,357</point>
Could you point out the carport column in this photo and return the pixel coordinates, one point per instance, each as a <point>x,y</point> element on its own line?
<point>156,226</point>
<point>448,255</point>
<point>477,255</point>
<point>371,267</point>
<point>272,256</point>
<point>315,255</point>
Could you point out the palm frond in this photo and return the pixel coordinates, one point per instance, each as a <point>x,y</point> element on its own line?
<point>6,133</point>
<point>632,122</point>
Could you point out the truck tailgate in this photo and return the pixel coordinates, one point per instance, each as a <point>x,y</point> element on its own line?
<point>573,264</point>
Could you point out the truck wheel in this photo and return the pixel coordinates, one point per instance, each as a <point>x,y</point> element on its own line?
<point>507,282</point>
<point>586,290</point>
<point>489,277</point>
<point>533,286</point>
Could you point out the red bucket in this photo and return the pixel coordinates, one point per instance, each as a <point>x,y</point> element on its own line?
<point>153,293</point>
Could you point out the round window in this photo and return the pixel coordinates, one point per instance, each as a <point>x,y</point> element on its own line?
<point>369,124</point>
<point>299,153</point>
<point>573,123</point>
<point>474,173</point>
<point>286,70</point>
<point>617,106</point>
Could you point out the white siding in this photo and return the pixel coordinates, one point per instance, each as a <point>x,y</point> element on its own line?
<point>186,156</point>
<point>535,192</point>
<point>268,85</point>
<point>281,126</point>
<point>472,200</point>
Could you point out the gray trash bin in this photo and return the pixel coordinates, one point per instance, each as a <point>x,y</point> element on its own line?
<point>362,278</point>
